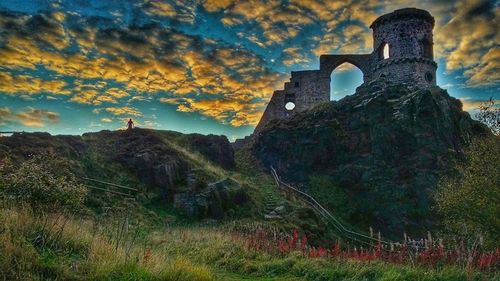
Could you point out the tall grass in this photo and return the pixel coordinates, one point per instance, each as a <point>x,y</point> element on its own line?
<point>59,247</point>
<point>62,247</point>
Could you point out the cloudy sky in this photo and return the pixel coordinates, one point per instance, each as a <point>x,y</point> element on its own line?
<point>68,67</point>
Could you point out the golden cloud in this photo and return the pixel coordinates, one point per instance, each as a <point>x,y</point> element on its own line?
<point>215,5</point>
<point>5,116</point>
<point>30,117</point>
<point>148,60</point>
<point>470,105</point>
<point>228,111</point>
<point>181,71</point>
<point>470,41</point>
<point>294,55</point>
<point>118,111</point>
<point>487,71</point>
<point>106,120</point>
<point>278,21</point>
<point>24,84</point>
<point>161,8</point>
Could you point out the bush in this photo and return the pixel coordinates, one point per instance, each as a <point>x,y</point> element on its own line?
<point>42,182</point>
<point>469,200</point>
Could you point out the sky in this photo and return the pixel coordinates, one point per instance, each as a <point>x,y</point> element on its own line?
<point>210,67</point>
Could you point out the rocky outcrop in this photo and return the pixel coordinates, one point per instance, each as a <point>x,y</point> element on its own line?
<point>386,146</point>
<point>22,145</point>
<point>215,148</point>
<point>156,169</point>
<point>145,154</point>
<point>218,200</point>
<point>148,155</point>
<point>241,143</point>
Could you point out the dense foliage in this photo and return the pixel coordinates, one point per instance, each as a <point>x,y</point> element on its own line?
<point>42,182</point>
<point>489,114</point>
<point>469,200</point>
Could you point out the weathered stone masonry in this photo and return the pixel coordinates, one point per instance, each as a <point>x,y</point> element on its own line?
<point>408,35</point>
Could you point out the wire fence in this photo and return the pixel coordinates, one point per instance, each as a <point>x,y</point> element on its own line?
<point>342,230</point>
<point>109,187</point>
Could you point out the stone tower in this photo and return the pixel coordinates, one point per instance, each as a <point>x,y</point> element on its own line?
<point>407,34</point>
<point>402,54</point>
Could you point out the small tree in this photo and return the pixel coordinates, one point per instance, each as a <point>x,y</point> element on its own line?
<point>42,182</point>
<point>489,114</point>
<point>469,200</point>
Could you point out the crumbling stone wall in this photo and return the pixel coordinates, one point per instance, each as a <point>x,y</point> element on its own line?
<point>408,35</point>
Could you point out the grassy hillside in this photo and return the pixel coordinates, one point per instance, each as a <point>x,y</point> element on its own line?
<point>63,247</point>
<point>53,227</point>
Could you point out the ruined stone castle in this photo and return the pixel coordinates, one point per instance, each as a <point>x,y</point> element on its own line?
<point>402,53</point>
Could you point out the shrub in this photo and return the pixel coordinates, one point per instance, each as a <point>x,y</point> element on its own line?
<point>468,200</point>
<point>489,114</point>
<point>42,182</point>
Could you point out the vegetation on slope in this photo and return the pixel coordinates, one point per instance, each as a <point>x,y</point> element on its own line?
<point>469,199</point>
<point>53,228</point>
<point>63,247</point>
<point>386,149</point>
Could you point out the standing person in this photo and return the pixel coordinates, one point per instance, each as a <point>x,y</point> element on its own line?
<point>130,124</point>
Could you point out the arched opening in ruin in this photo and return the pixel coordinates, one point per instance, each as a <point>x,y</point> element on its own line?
<point>344,80</point>
<point>384,51</point>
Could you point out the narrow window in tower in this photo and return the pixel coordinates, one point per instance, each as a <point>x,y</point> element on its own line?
<point>427,49</point>
<point>383,51</point>
<point>386,51</point>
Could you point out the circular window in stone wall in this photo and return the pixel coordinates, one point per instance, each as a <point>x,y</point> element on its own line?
<point>290,105</point>
<point>429,77</point>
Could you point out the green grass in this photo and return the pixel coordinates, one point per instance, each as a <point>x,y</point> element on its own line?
<point>146,240</point>
<point>54,247</point>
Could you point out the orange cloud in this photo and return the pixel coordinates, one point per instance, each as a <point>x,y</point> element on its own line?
<point>228,111</point>
<point>30,117</point>
<point>470,42</point>
<point>294,55</point>
<point>160,8</point>
<point>124,110</point>
<point>144,62</point>
<point>215,5</point>
<point>183,70</point>
<point>24,84</point>
<point>470,105</point>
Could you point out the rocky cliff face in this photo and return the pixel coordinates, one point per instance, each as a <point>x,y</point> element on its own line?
<point>145,154</point>
<point>215,148</point>
<point>385,147</point>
